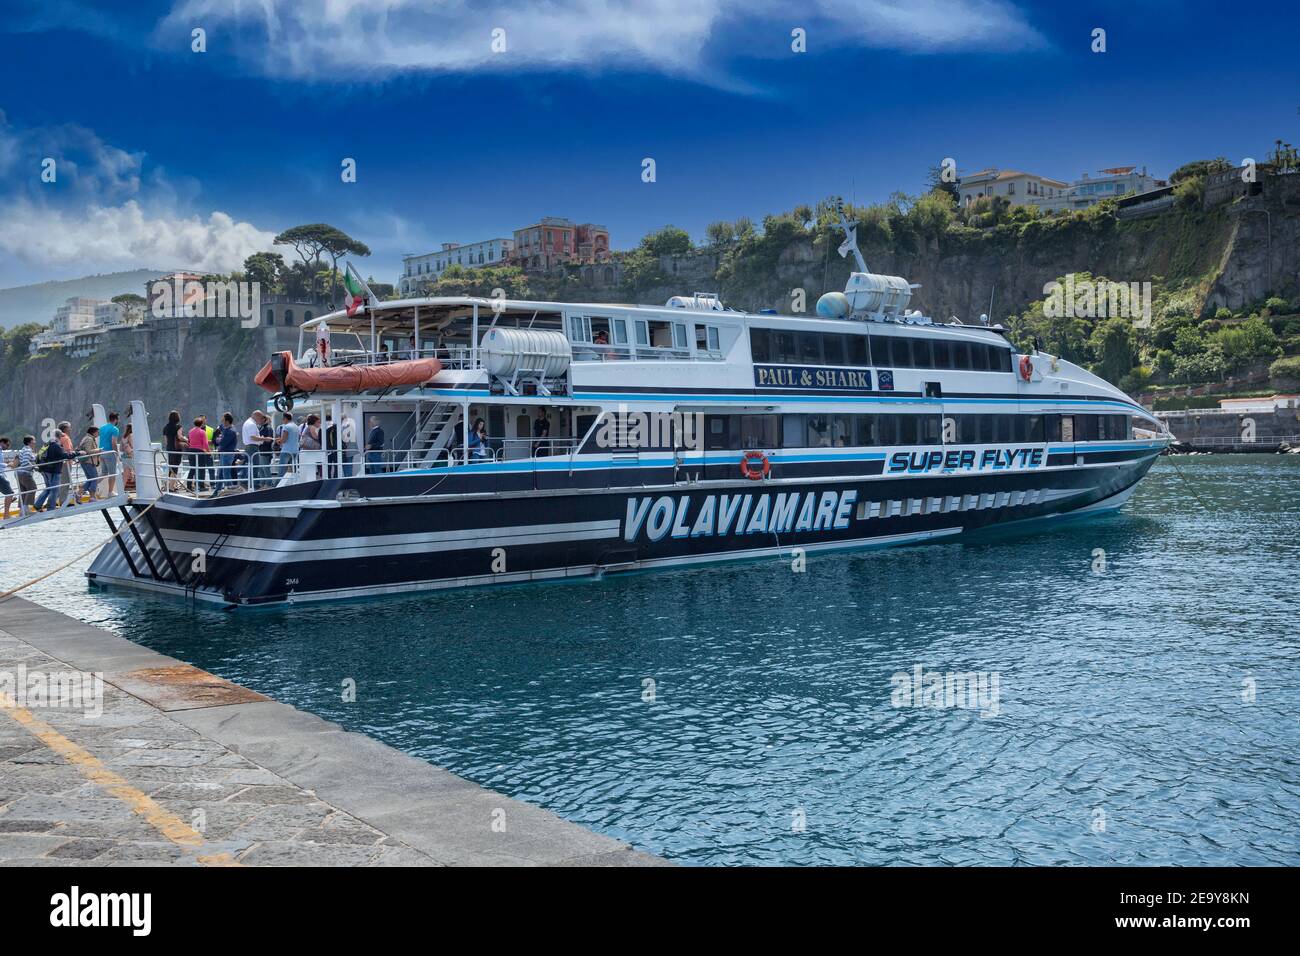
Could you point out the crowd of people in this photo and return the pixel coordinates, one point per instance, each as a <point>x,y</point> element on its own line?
<point>72,471</point>
<point>257,453</point>
<point>61,470</point>
<point>204,458</point>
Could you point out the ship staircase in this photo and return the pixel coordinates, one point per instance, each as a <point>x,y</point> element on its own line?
<point>434,433</point>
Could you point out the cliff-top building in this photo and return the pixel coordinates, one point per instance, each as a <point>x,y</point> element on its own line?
<point>553,241</point>
<point>429,266</point>
<point>1017,188</point>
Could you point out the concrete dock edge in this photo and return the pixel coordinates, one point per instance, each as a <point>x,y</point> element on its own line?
<point>432,815</point>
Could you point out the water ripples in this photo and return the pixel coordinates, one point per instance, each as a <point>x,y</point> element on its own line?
<point>768,735</point>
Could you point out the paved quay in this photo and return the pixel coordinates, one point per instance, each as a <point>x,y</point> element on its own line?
<point>184,768</point>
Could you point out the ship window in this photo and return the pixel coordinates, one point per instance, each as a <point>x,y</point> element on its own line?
<point>620,331</point>
<point>943,354</point>
<point>857,350</point>
<point>679,336</point>
<point>810,348</point>
<point>1067,428</point>
<point>792,431</point>
<point>841,430</point>
<point>961,355</point>
<point>783,347</point>
<point>1001,359</point>
<point>907,429</point>
<point>931,430</point>
<point>706,338</point>
<point>642,332</point>
<point>819,431</point>
<point>979,357</point>
<point>833,349</point>
<point>1051,428</point>
<point>760,344</point>
<point>864,430</point>
<point>1004,428</point>
<point>758,431</point>
<point>717,432</point>
<point>887,429</point>
<point>922,357</point>
<point>1085,427</point>
<point>579,328</point>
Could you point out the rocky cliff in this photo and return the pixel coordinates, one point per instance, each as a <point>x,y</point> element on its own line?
<point>214,374</point>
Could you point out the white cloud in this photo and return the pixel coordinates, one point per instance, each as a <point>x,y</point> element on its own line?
<point>108,238</point>
<point>104,211</point>
<point>344,40</point>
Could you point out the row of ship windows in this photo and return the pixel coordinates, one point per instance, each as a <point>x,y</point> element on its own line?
<point>906,507</point>
<point>739,432</point>
<point>783,346</point>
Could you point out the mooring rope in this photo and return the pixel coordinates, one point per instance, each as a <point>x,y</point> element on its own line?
<point>10,593</point>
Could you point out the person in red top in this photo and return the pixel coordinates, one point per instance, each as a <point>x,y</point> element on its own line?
<point>200,451</point>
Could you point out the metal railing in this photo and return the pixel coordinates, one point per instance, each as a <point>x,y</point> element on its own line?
<point>450,357</point>
<point>596,352</point>
<point>200,474</point>
<point>67,483</point>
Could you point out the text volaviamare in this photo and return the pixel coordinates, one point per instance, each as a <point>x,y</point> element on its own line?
<point>738,514</point>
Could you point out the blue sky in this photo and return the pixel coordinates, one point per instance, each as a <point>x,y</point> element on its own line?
<point>167,157</point>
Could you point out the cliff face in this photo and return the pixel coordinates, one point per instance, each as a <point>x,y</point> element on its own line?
<point>1232,256</point>
<point>213,375</point>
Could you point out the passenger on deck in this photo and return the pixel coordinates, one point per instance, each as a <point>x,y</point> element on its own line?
<point>478,446</point>
<point>287,437</point>
<point>110,453</point>
<point>8,458</point>
<point>26,475</point>
<point>65,439</point>
<point>200,456</point>
<point>375,448</point>
<point>309,438</point>
<point>174,444</point>
<point>251,438</point>
<point>265,450</point>
<point>88,456</point>
<point>541,432</point>
<point>52,468</point>
<point>128,458</point>
<point>227,451</point>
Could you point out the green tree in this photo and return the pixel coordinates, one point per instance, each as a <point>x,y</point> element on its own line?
<point>16,342</point>
<point>1112,343</point>
<point>720,233</point>
<point>318,240</point>
<point>265,268</point>
<point>935,183</point>
<point>667,241</point>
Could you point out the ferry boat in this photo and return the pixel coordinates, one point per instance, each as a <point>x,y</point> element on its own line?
<point>619,438</point>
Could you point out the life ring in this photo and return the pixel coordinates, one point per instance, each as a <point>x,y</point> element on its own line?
<point>1026,367</point>
<point>751,458</point>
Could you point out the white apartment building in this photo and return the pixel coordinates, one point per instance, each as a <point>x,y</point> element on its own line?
<point>471,255</point>
<point>76,313</point>
<point>1017,188</point>
<point>1109,184</point>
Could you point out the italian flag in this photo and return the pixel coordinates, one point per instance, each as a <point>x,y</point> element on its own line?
<point>355,290</point>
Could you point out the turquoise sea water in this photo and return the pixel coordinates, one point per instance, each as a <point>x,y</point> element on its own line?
<point>1146,714</point>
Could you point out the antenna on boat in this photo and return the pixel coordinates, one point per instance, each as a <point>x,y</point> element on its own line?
<point>850,243</point>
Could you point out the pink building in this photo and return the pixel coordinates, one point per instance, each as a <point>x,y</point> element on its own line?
<point>554,241</point>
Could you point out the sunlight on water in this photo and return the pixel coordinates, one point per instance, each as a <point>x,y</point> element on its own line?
<point>1121,694</point>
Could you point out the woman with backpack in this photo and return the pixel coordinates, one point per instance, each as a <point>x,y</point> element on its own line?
<point>50,460</point>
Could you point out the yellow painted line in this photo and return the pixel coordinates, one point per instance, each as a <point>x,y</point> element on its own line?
<point>93,769</point>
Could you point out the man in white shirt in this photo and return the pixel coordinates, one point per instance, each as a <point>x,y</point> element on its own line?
<point>251,437</point>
